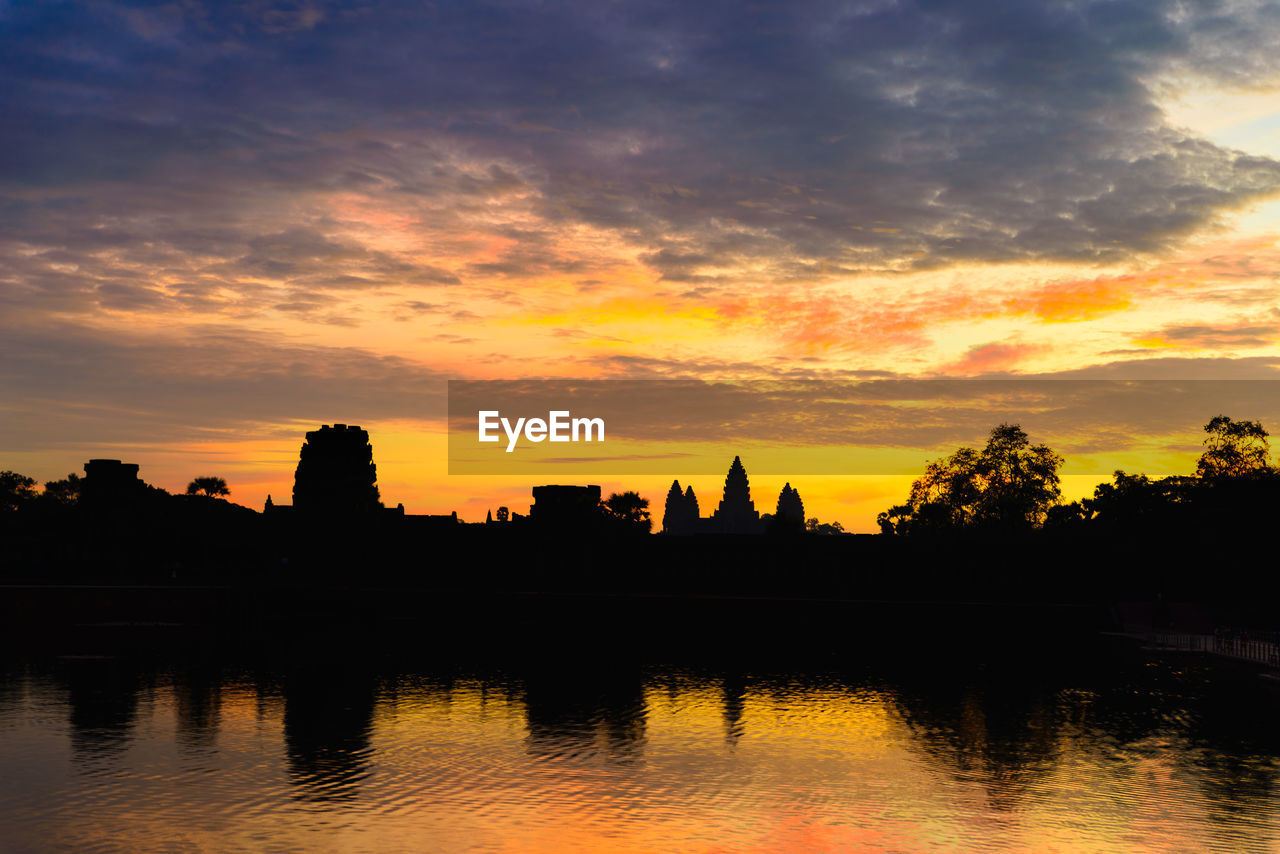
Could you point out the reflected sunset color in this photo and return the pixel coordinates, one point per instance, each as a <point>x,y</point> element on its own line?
<point>880,753</point>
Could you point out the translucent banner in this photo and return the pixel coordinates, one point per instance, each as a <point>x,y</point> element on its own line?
<point>816,427</point>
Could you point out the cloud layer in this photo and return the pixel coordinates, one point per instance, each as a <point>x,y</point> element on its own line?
<point>780,143</point>
<point>253,213</point>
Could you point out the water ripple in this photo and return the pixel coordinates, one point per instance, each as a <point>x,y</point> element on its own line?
<point>102,754</point>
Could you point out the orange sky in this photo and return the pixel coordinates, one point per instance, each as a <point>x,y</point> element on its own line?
<point>196,275</point>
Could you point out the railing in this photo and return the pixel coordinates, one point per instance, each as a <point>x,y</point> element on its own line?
<point>1182,641</point>
<point>1261,651</point>
<point>1232,645</point>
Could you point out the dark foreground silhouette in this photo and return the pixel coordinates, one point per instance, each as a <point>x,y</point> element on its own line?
<point>980,526</point>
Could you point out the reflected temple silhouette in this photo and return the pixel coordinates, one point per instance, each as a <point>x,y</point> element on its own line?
<point>583,714</point>
<point>328,721</point>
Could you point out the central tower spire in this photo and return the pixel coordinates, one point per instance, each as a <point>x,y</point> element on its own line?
<point>737,512</point>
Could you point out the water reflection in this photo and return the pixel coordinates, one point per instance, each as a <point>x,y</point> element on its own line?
<point>998,731</point>
<point>586,712</point>
<point>966,752</point>
<point>328,720</point>
<point>1232,749</point>
<point>102,706</point>
<point>734,688</point>
<point>197,694</point>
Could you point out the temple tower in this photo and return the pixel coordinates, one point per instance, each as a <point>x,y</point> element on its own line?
<point>335,472</point>
<point>737,512</point>
<point>110,483</point>
<point>681,514</point>
<point>789,515</point>
<point>673,513</point>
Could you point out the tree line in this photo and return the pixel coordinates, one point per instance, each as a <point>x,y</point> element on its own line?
<point>18,492</point>
<point>1012,485</point>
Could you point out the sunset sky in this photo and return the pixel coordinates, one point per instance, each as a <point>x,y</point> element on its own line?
<point>223,225</point>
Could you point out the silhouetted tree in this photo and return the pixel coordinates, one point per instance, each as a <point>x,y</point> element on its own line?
<point>65,492</point>
<point>16,490</point>
<point>1070,515</point>
<point>813,526</point>
<point>210,486</point>
<point>629,510</point>
<point>1009,483</point>
<point>1233,449</point>
<point>1135,500</point>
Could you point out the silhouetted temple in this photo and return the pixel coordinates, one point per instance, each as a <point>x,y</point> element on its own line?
<point>335,472</point>
<point>565,506</point>
<point>110,482</point>
<point>681,513</point>
<point>789,515</point>
<point>737,512</point>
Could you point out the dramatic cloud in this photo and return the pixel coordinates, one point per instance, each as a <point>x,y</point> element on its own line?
<point>221,217</point>
<point>777,143</point>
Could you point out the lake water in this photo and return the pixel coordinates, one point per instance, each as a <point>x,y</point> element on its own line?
<point>860,750</point>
